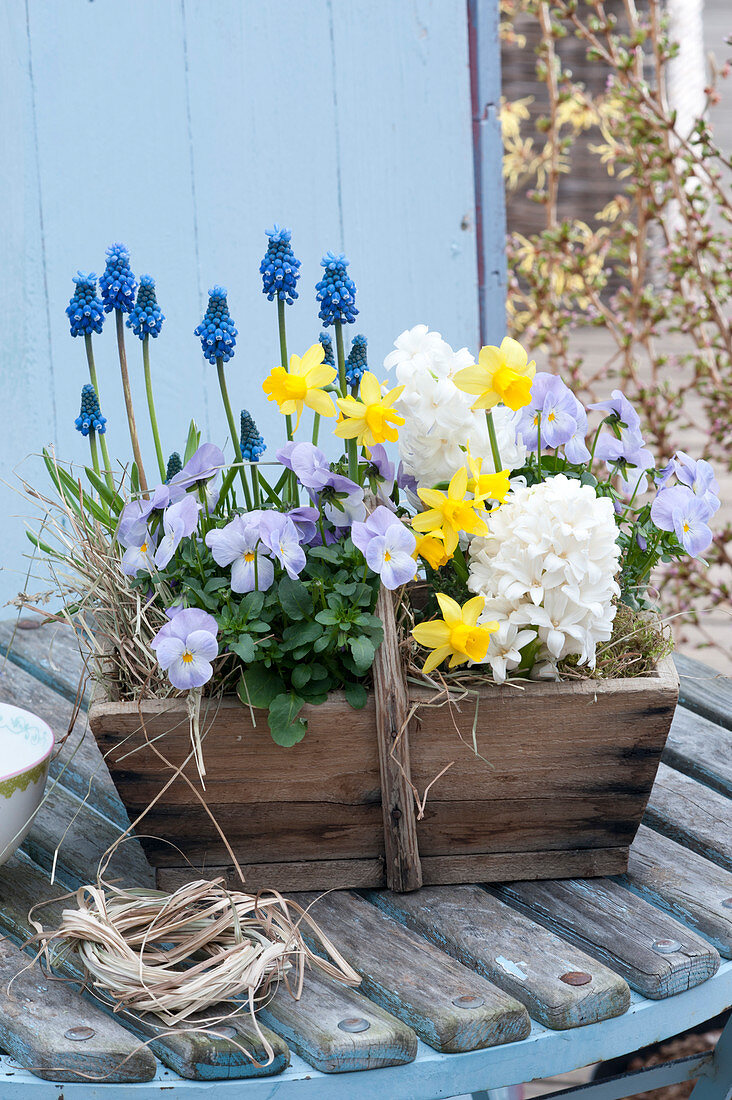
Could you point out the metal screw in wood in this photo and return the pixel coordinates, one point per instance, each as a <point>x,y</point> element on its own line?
<point>79,1034</point>
<point>354,1024</point>
<point>666,947</point>
<point>468,1001</point>
<point>576,977</point>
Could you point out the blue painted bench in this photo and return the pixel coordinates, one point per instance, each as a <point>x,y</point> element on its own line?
<point>464,989</point>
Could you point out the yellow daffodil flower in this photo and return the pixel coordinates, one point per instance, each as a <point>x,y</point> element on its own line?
<point>449,514</point>
<point>369,418</point>
<point>432,549</point>
<point>501,374</point>
<point>491,486</point>
<point>302,385</point>
<point>456,635</point>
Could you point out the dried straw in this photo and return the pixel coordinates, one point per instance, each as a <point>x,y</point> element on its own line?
<point>178,955</point>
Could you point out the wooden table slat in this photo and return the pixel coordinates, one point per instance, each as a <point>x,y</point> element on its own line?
<point>620,929</point>
<point>37,1013</point>
<point>51,653</point>
<point>415,981</point>
<point>513,952</point>
<point>694,815</point>
<point>310,1026</point>
<point>704,690</point>
<point>190,1054</point>
<point>701,749</point>
<point>684,884</point>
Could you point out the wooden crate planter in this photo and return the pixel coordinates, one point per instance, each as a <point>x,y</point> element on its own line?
<point>571,770</point>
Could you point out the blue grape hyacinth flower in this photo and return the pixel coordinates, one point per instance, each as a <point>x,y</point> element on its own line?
<point>90,418</point>
<point>117,284</point>
<point>329,358</point>
<point>174,467</point>
<point>146,319</point>
<point>356,363</point>
<point>280,267</point>
<point>336,292</point>
<point>216,330</point>
<point>251,442</point>
<point>85,310</point>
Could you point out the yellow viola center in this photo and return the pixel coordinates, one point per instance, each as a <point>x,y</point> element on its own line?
<point>387,555</point>
<point>249,556</point>
<point>551,416</point>
<point>186,656</point>
<point>143,548</point>
<point>686,528</point>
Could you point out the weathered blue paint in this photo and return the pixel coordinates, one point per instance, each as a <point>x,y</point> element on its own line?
<point>490,202</point>
<point>186,128</point>
<point>545,1053</point>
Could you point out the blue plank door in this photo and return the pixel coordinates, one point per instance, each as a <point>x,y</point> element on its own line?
<point>185,128</point>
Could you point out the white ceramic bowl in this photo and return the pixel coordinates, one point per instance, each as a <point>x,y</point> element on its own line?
<point>26,744</point>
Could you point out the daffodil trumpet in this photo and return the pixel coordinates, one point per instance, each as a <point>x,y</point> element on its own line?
<point>456,635</point>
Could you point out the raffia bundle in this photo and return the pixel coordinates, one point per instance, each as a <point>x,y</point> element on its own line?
<point>178,955</point>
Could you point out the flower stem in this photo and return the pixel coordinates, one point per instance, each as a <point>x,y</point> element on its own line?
<point>351,445</point>
<point>538,445</point>
<point>255,485</point>
<point>494,440</point>
<point>151,405</point>
<point>290,482</point>
<point>94,452</point>
<point>93,376</point>
<point>134,439</point>
<point>232,429</point>
<point>316,427</point>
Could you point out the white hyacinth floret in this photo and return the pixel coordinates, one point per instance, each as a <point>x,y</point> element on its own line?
<point>440,423</point>
<point>547,570</point>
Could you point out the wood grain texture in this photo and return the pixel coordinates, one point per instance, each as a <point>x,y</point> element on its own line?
<point>701,749</point>
<point>195,1056</point>
<point>77,762</point>
<point>684,884</point>
<point>620,929</point>
<point>704,691</point>
<point>51,654</point>
<point>696,816</point>
<point>35,1014</point>
<point>399,815</point>
<point>415,981</point>
<point>338,874</point>
<point>513,952</point>
<point>310,1026</point>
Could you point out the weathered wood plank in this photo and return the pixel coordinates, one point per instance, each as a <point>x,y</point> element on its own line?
<point>78,763</point>
<point>71,835</point>
<point>704,691</point>
<point>449,1006</point>
<point>354,874</point>
<point>51,653</point>
<point>686,885</point>
<point>371,1037</point>
<point>513,952</point>
<point>622,930</point>
<point>401,855</point>
<point>195,1056</point>
<point>701,749</point>
<point>36,1016</point>
<point>692,814</point>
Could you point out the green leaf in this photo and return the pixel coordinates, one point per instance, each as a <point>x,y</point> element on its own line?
<point>327,618</point>
<point>259,685</point>
<point>302,633</point>
<point>356,695</point>
<point>244,648</point>
<point>363,652</point>
<point>252,604</point>
<point>192,442</point>
<point>134,478</point>
<point>321,643</point>
<point>112,500</point>
<point>42,545</point>
<point>300,675</point>
<point>295,600</point>
<point>284,725</point>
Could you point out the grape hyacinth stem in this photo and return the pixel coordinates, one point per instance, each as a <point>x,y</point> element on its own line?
<point>134,439</point>
<point>232,429</point>
<point>151,406</point>
<point>94,451</point>
<point>93,379</point>
<point>290,481</point>
<point>351,445</point>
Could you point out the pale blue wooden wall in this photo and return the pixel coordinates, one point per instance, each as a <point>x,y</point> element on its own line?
<point>185,128</point>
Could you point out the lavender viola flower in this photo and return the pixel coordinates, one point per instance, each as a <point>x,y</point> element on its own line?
<point>239,545</point>
<point>179,521</point>
<point>699,477</point>
<point>312,469</point>
<point>139,555</point>
<point>381,470</point>
<point>678,509</point>
<point>185,647</point>
<point>625,442</point>
<point>306,522</point>
<point>343,503</point>
<point>388,547</point>
<point>133,521</point>
<point>204,464</point>
<point>280,534</point>
<point>556,412</point>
